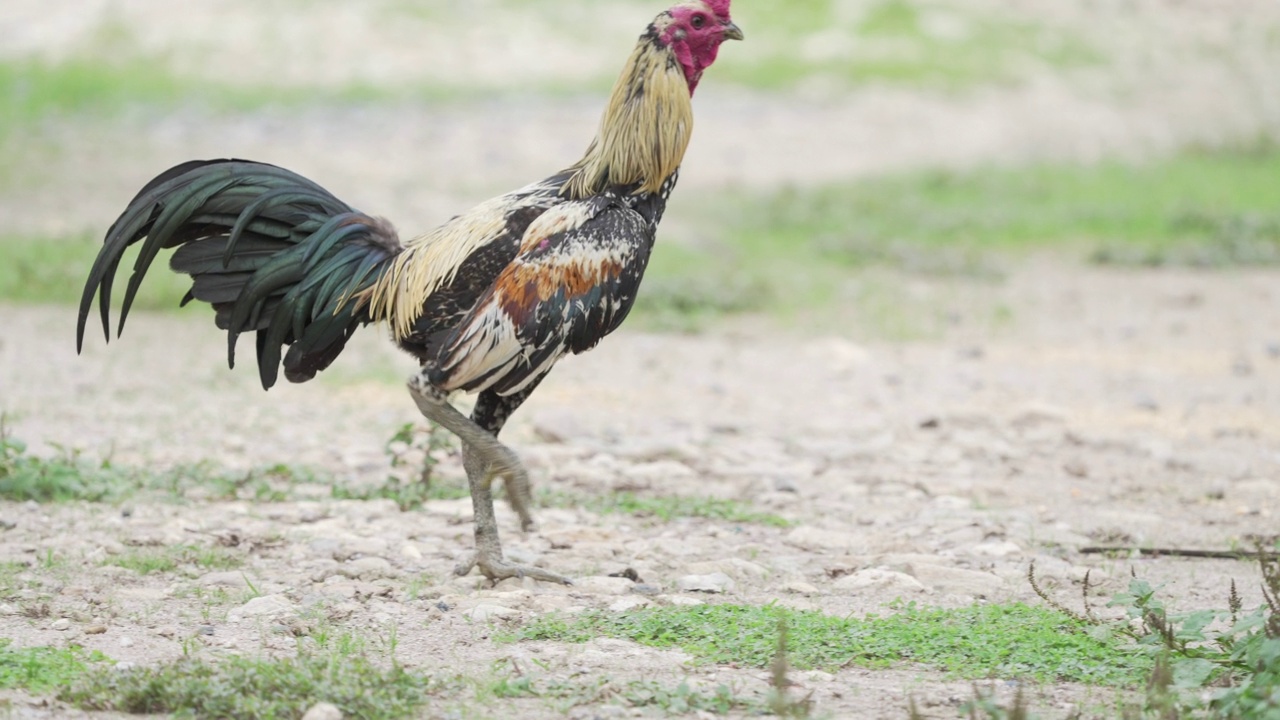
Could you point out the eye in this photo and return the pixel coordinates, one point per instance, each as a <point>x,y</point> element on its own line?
<point>698,21</point>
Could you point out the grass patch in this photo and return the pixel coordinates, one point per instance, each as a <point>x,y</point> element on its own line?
<point>1007,641</point>
<point>565,694</point>
<point>1222,662</point>
<point>240,687</point>
<point>65,477</point>
<point>663,507</point>
<point>897,42</point>
<point>40,670</point>
<point>791,251</point>
<point>54,270</point>
<point>147,561</point>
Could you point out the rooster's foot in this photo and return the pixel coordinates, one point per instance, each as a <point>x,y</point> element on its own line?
<point>496,569</point>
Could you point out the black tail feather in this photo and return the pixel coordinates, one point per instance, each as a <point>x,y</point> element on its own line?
<point>271,251</point>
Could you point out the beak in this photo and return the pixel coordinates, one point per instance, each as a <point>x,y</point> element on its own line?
<point>732,31</point>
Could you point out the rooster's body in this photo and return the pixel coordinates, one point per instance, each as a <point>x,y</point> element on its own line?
<point>487,302</point>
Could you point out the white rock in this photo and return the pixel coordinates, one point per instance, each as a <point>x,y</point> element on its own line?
<point>323,711</point>
<point>603,585</point>
<point>411,552</point>
<point>685,601</point>
<point>60,624</point>
<point>229,578</point>
<point>368,568</point>
<point>879,577</point>
<point>812,538</point>
<point>625,604</point>
<point>713,583</point>
<point>956,580</point>
<point>996,548</point>
<point>485,612</point>
<point>799,587</point>
<point>261,607</point>
<point>126,642</point>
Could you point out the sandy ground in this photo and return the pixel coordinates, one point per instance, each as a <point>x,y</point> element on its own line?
<point>1059,408</point>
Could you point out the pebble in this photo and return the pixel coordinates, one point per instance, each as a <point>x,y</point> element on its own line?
<point>95,629</point>
<point>628,603</point>
<point>799,587</point>
<point>485,612</point>
<point>228,578</point>
<point>603,585</point>
<point>996,549</point>
<point>368,568</point>
<point>879,577</point>
<point>126,642</point>
<point>956,580</point>
<point>685,601</point>
<point>713,583</point>
<point>323,711</point>
<point>813,538</point>
<point>261,607</point>
<point>60,624</point>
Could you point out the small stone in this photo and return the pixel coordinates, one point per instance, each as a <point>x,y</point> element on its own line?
<point>1076,468</point>
<point>205,629</point>
<point>229,578</point>
<point>625,604</point>
<point>684,601</point>
<point>799,587</point>
<point>60,624</point>
<point>996,548</point>
<point>411,552</point>
<point>486,612</point>
<point>646,589</point>
<point>812,538</point>
<point>125,666</point>
<point>126,642</point>
<point>602,585</point>
<point>368,568</point>
<point>713,583</point>
<point>95,629</point>
<point>956,580</point>
<point>878,577</point>
<point>323,711</point>
<point>261,607</point>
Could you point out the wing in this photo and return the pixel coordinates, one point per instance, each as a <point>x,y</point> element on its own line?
<point>573,282</point>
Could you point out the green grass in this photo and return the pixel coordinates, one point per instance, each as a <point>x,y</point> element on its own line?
<point>147,561</point>
<point>41,670</point>
<point>54,270</point>
<point>261,688</point>
<point>1006,641</point>
<point>893,42</point>
<point>794,250</point>
<point>63,478</point>
<point>662,507</point>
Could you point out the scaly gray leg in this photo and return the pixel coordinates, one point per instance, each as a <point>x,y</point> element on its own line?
<point>490,459</point>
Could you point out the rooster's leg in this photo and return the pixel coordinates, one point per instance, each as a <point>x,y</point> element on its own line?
<point>485,459</point>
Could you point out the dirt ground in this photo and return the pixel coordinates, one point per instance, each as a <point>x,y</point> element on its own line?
<point>1062,407</point>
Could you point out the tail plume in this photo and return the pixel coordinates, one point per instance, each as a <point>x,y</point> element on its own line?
<point>270,250</point>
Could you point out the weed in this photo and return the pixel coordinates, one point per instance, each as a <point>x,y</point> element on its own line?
<point>1225,662</point>
<point>413,447</point>
<point>146,561</point>
<point>63,478</point>
<point>663,507</point>
<point>1005,640</point>
<point>43,669</point>
<point>257,688</point>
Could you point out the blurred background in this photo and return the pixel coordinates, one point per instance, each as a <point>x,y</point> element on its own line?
<point>848,144</point>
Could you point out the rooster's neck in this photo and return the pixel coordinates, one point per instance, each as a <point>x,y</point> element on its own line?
<point>645,129</point>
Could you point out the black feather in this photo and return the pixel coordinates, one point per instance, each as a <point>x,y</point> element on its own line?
<point>272,251</point>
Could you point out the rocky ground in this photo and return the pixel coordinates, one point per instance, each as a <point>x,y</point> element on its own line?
<point>1117,407</point>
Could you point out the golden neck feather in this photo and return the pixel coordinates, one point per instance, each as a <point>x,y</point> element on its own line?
<point>645,129</point>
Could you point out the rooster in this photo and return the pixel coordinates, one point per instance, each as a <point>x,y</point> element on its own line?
<point>487,302</point>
